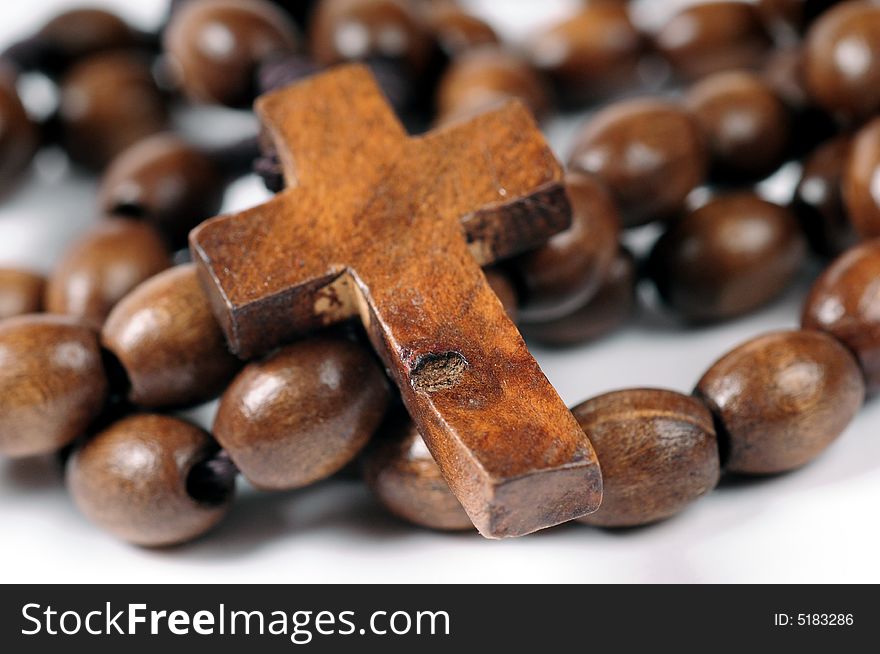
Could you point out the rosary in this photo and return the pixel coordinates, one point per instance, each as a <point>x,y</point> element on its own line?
<point>370,318</point>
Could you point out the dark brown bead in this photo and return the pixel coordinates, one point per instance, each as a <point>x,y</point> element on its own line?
<point>594,52</point>
<point>303,413</point>
<point>861,181</point>
<point>792,17</point>
<point>108,102</point>
<point>728,257</point>
<point>845,302</point>
<point>215,47</point>
<point>505,291</point>
<point>818,198</point>
<point>781,399</point>
<point>165,181</point>
<point>102,267</point>
<point>20,292</point>
<point>483,77</point>
<point>566,272</point>
<point>456,30</point>
<point>745,123</point>
<point>132,480</point>
<point>713,36</point>
<point>358,30</point>
<point>166,338</point>
<point>657,450</point>
<point>18,134</point>
<point>842,60</point>
<point>404,477</point>
<point>650,154</point>
<point>52,383</point>
<point>609,308</point>
<point>79,33</point>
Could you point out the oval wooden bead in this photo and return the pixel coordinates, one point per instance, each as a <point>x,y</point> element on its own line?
<point>108,102</point>
<point>842,60</point>
<point>861,181</point>
<point>20,292</point>
<point>728,257</point>
<point>609,308</point>
<point>52,383</point>
<point>845,302</point>
<point>102,267</point>
<point>818,198</point>
<point>594,52</point>
<point>745,124</point>
<point>402,474</point>
<point>166,338</point>
<point>709,37</point>
<point>565,273</point>
<point>457,31</point>
<point>649,153</point>
<point>165,181</point>
<point>657,450</point>
<point>131,480</point>
<point>781,399</point>
<point>303,413</point>
<point>215,47</point>
<point>18,134</point>
<point>81,32</point>
<point>483,77</point>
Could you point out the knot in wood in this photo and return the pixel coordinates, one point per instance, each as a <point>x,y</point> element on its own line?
<point>436,372</point>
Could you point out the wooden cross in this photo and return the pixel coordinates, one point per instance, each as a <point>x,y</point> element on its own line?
<point>394,229</point>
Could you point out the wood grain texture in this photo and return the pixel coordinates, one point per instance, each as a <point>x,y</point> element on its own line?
<point>393,229</point>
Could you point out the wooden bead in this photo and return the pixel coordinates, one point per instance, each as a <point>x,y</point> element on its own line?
<point>781,399</point>
<point>594,52</point>
<point>165,336</point>
<point>78,33</point>
<point>505,291</point>
<point>708,37</point>
<point>215,47</point>
<point>861,181</point>
<point>102,267</point>
<point>842,60</point>
<point>483,77</point>
<point>728,257</point>
<point>108,102</point>
<point>818,198</point>
<point>845,302</point>
<point>18,134</point>
<point>792,17</point>
<point>358,30</point>
<point>609,308</point>
<point>303,413</point>
<point>132,480</point>
<point>165,181</point>
<point>649,153</point>
<point>565,273</point>
<point>402,474</point>
<point>52,383</point>
<point>20,292</point>
<point>745,123</point>
<point>457,31</point>
<point>657,450</point>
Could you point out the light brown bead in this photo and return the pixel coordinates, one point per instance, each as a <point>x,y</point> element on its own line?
<point>745,124</point>
<point>845,302</point>
<point>708,37</point>
<point>166,182</point>
<point>18,134</point>
<point>657,450</point>
<point>303,413</point>
<point>455,30</point>
<point>100,268</point>
<point>108,102</point>
<point>650,153</point>
<point>607,310</point>
<point>842,60</point>
<point>566,272</point>
<point>730,256</point>
<point>131,480</point>
<point>861,181</point>
<point>215,47</point>
<point>483,77</point>
<point>52,383</point>
<point>406,480</point>
<point>166,338</point>
<point>20,292</point>
<point>781,399</point>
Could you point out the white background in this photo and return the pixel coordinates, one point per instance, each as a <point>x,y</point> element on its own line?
<point>817,525</point>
